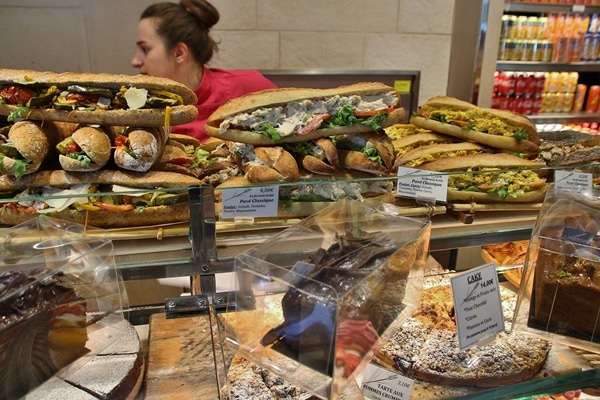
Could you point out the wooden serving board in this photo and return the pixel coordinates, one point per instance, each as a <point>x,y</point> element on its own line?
<point>180,359</point>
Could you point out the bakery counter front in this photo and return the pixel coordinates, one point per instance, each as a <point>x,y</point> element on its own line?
<point>419,353</point>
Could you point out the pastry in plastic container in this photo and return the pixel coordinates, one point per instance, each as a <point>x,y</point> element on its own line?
<point>313,301</point>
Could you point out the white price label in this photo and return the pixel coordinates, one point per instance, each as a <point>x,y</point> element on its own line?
<point>422,184</point>
<point>380,384</point>
<point>249,202</point>
<point>572,181</point>
<point>477,305</point>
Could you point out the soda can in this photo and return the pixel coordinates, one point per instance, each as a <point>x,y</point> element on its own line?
<point>529,50</point>
<point>504,51</point>
<point>508,26</point>
<point>579,98</point>
<point>532,27</point>
<point>591,104</point>
<point>545,50</point>
<point>521,27</point>
<point>518,50</point>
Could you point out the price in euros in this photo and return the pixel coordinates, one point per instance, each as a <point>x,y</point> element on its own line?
<point>267,190</point>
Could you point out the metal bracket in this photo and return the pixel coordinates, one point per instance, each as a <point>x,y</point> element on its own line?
<point>205,263</point>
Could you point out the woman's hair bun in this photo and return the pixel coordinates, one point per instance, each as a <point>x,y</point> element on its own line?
<point>202,10</point>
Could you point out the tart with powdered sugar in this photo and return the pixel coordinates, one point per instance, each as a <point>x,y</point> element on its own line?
<point>426,348</point>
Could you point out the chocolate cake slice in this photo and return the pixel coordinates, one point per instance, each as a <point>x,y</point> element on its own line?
<point>42,328</point>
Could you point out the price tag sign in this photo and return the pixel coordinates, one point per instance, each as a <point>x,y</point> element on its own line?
<point>572,181</point>
<point>251,202</point>
<point>421,184</point>
<point>402,85</point>
<point>477,305</point>
<point>381,384</point>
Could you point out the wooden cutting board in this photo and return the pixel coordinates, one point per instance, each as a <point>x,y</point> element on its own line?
<point>180,359</point>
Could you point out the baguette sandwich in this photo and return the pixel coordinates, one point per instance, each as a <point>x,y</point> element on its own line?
<point>100,99</point>
<point>486,177</point>
<point>420,155</point>
<point>499,129</point>
<point>25,145</point>
<point>103,198</point>
<point>287,115</point>
<point>407,143</point>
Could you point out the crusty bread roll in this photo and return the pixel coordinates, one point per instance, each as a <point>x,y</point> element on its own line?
<point>275,165</point>
<point>34,141</point>
<point>358,160</point>
<point>96,145</point>
<point>147,144</point>
<point>319,156</point>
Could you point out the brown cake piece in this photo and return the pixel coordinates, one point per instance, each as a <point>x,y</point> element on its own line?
<point>566,295</point>
<point>116,372</point>
<point>42,328</point>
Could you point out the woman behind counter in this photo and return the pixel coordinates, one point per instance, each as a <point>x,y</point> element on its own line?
<point>173,41</point>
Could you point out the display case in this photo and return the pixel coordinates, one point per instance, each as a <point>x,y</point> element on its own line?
<point>209,244</point>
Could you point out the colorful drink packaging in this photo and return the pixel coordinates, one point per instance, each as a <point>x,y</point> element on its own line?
<point>579,98</point>
<point>591,104</point>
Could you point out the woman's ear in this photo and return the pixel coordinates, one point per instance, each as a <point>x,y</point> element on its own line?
<point>181,52</point>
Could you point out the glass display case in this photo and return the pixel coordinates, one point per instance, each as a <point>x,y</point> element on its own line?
<point>208,245</point>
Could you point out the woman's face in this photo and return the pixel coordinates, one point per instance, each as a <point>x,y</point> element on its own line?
<point>151,57</point>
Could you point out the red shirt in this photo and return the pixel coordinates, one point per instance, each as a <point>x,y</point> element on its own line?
<point>216,87</point>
